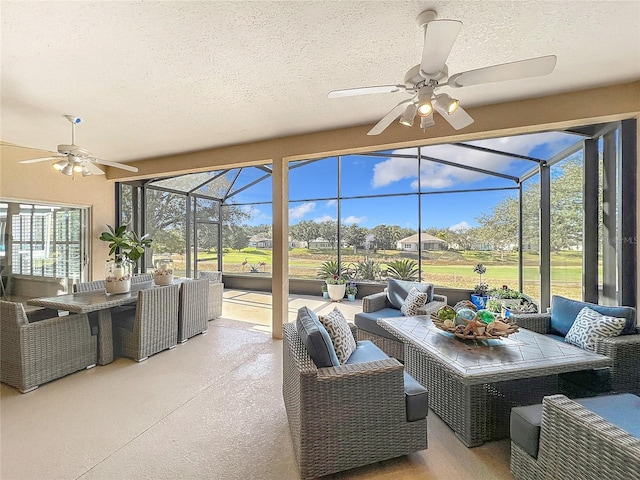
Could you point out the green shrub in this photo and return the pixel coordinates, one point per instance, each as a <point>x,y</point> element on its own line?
<point>404,269</point>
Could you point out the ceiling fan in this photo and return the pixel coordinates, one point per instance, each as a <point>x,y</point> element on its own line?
<point>423,80</point>
<point>74,159</point>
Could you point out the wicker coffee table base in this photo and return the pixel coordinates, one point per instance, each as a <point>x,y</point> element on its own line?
<point>476,413</point>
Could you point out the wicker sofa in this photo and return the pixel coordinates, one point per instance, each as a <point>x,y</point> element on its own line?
<point>624,350</point>
<point>387,305</point>
<point>361,412</point>
<point>33,353</point>
<point>587,439</point>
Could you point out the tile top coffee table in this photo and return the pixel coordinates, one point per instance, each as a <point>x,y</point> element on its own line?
<point>473,384</point>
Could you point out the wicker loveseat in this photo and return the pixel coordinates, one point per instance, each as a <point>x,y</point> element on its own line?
<point>387,305</point>
<point>624,349</point>
<point>35,353</point>
<point>586,439</point>
<point>361,412</point>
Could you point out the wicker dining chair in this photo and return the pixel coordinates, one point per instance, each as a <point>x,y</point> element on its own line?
<point>216,292</point>
<point>193,313</point>
<point>35,353</point>
<point>153,326</point>
<point>89,286</point>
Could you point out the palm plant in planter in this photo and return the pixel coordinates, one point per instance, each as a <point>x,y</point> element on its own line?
<point>126,248</point>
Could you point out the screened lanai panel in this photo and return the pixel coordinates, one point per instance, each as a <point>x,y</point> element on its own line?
<point>184,183</point>
<point>313,179</point>
<point>218,185</point>
<point>543,145</point>
<point>252,185</point>
<point>372,175</point>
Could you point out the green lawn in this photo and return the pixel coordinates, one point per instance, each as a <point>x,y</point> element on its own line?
<point>446,268</point>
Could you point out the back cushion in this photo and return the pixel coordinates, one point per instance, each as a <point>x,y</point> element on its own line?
<point>316,339</point>
<point>398,290</point>
<point>564,312</point>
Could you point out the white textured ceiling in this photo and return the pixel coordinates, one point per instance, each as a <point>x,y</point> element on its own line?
<point>155,78</point>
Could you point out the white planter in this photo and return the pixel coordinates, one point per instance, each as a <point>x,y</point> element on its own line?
<point>336,292</point>
<point>163,279</point>
<point>118,286</point>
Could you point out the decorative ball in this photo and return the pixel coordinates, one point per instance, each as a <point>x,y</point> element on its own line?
<point>486,316</point>
<point>465,314</point>
<point>446,313</point>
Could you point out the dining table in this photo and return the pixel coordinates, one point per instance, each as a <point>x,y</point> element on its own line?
<point>94,301</point>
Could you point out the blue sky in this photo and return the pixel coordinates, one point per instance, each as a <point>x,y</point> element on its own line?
<point>311,185</point>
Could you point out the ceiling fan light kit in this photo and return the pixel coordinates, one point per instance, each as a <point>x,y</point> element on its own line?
<point>421,81</point>
<point>75,159</point>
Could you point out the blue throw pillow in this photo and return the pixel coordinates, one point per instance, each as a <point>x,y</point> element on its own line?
<point>316,339</point>
<point>564,312</point>
<point>398,290</point>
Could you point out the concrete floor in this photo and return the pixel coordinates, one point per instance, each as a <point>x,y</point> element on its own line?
<point>211,408</point>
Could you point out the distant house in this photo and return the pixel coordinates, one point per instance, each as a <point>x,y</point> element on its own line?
<point>319,243</point>
<point>429,242</point>
<point>260,242</point>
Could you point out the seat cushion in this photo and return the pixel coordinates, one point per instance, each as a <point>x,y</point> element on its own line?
<point>564,312</point>
<point>398,290</point>
<point>414,302</point>
<point>591,326</point>
<point>316,339</point>
<point>621,410</point>
<point>368,322</point>
<point>415,395</point>
<point>340,333</point>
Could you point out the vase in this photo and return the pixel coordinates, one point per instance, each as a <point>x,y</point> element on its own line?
<point>479,301</point>
<point>336,292</point>
<point>163,274</point>
<point>351,297</point>
<point>325,294</point>
<point>117,276</point>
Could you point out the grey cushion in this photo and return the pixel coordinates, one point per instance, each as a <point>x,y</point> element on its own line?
<point>368,321</point>
<point>415,395</point>
<point>564,312</point>
<point>316,339</point>
<point>397,291</point>
<point>621,410</point>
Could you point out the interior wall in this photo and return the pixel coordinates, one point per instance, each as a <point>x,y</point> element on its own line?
<point>38,182</point>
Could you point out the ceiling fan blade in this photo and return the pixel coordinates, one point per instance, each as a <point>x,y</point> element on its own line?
<point>93,168</point>
<point>439,37</point>
<point>458,119</point>
<point>350,92</point>
<point>532,67</point>
<point>43,159</point>
<point>115,164</point>
<point>388,119</point>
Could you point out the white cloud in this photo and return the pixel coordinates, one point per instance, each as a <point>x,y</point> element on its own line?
<point>331,203</point>
<point>324,218</point>
<point>301,210</point>
<point>436,175</point>
<point>460,227</point>
<point>352,219</point>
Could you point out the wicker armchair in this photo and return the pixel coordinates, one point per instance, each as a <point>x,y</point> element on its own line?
<point>35,353</point>
<point>346,416</point>
<point>575,443</point>
<point>624,350</point>
<point>153,327</point>
<point>379,302</point>
<point>194,309</point>
<point>216,292</point>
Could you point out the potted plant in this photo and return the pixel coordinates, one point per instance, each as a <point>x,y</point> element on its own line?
<point>351,291</point>
<point>127,248</point>
<point>336,287</point>
<point>506,297</point>
<point>325,294</point>
<point>479,295</point>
